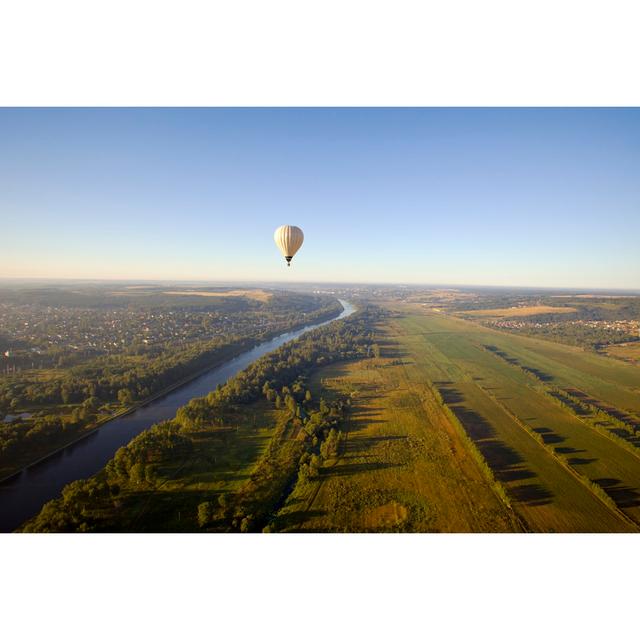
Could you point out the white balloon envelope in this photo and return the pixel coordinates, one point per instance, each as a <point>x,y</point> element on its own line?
<point>288,239</point>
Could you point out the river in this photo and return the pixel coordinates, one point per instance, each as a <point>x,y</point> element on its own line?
<point>23,495</point>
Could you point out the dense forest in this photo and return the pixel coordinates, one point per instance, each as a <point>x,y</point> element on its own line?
<point>279,379</point>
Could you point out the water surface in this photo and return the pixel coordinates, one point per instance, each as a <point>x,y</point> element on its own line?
<point>23,495</point>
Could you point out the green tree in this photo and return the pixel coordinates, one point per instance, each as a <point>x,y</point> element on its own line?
<point>291,404</point>
<point>137,473</point>
<point>150,474</point>
<point>315,462</point>
<point>304,473</point>
<point>65,394</point>
<point>125,396</point>
<point>205,513</point>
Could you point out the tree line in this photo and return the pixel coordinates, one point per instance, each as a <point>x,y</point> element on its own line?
<point>280,378</point>
<point>78,398</point>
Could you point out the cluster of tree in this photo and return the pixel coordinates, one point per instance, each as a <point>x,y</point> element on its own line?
<point>134,462</point>
<point>250,509</point>
<point>71,512</point>
<point>280,377</point>
<point>41,433</point>
<point>89,391</point>
<point>133,467</point>
<point>577,335</point>
<point>18,436</point>
<point>118,378</point>
<point>311,463</point>
<point>270,375</point>
<point>285,462</point>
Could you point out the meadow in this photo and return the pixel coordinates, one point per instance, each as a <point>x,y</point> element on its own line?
<point>629,351</point>
<point>403,466</point>
<point>519,312</point>
<point>448,398</point>
<point>254,294</point>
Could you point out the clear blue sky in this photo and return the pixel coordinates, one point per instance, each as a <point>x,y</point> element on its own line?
<point>455,196</point>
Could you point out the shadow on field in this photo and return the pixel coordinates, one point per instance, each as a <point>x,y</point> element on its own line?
<point>567,450</point>
<point>537,373</point>
<point>506,463</point>
<point>625,435</point>
<point>361,417</point>
<point>624,497</point>
<point>392,349</point>
<point>624,417</point>
<point>548,435</point>
<point>448,393</point>
<point>532,495</point>
<point>579,461</point>
<point>541,375</point>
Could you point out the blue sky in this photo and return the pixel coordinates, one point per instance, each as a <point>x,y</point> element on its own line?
<point>539,197</point>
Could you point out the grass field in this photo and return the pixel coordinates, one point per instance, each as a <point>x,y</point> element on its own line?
<point>405,465</point>
<point>629,351</point>
<point>254,294</point>
<point>516,312</point>
<point>615,382</point>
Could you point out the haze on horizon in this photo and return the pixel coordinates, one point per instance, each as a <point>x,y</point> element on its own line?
<point>506,197</point>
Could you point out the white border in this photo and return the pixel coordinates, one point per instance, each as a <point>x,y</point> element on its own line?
<point>347,52</point>
<point>319,586</point>
<point>329,52</point>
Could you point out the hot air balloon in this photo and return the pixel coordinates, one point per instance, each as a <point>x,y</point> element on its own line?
<point>289,239</point>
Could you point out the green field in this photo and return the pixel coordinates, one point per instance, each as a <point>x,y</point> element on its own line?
<point>405,465</point>
<point>629,351</point>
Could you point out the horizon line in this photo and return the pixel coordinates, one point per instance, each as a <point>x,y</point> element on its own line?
<point>64,279</point>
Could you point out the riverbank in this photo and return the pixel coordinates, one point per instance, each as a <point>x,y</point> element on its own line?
<point>24,494</point>
<point>230,352</point>
<point>91,429</point>
<point>244,443</point>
